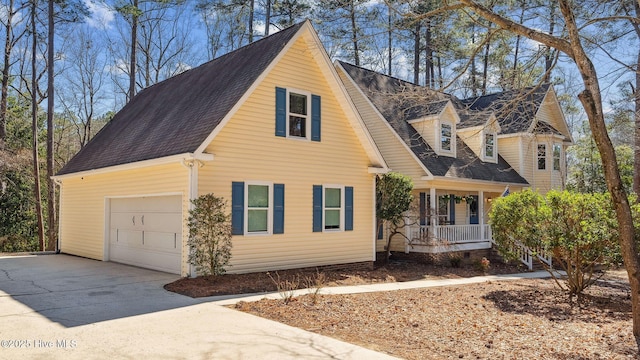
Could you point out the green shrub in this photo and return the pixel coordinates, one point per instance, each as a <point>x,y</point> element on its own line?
<point>209,235</point>
<point>579,230</point>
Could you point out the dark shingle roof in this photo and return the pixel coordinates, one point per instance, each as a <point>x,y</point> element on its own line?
<point>175,116</point>
<point>515,110</point>
<point>544,128</point>
<point>473,118</point>
<point>393,96</point>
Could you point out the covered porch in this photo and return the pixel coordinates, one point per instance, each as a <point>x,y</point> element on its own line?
<point>455,221</point>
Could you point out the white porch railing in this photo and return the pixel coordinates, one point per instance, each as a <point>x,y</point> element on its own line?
<point>527,255</point>
<point>443,238</point>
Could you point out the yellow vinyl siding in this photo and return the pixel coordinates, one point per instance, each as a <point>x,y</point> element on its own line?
<point>509,149</point>
<point>473,139</point>
<point>397,156</point>
<point>246,149</point>
<point>83,203</point>
<point>427,130</point>
<point>545,180</point>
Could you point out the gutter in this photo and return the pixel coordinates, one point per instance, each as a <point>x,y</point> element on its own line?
<point>59,183</point>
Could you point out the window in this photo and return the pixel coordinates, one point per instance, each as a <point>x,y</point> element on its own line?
<point>557,151</point>
<point>298,115</point>
<point>542,157</point>
<point>445,137</point>
<point>443,209</point>
<point>332,208</point>
<point>489,146</point>
<point>257,208</point>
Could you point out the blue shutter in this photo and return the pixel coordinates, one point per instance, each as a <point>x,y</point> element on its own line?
<point>278,208</point>
<point>317,208</point>
<point>315,118</point>
<point>348,208</point>
<point>423,208</point>
<point>281,112</point>
<point>452,209</point>
<point>237,208</point>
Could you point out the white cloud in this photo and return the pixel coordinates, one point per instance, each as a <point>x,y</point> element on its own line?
<point>101,15</point>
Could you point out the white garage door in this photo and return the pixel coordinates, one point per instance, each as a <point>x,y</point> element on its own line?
<point>147,232</point>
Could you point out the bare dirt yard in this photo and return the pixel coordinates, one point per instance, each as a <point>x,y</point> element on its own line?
<point>495,320</point>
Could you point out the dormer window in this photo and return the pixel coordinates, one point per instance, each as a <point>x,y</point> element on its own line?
<point>446,135</point>
<point>298,115</point>
<point>557,151</point>
<point>542,157</point>
<point>490,146</point>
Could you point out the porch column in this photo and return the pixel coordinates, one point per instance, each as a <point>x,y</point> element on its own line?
<point>481,213</point>
<point>433,206</point>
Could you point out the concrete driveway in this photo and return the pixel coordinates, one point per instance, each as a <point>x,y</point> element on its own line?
<point>60,306</point>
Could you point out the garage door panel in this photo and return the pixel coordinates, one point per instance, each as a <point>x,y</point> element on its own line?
<point>126,220</point>
<point>147,232</point>
<point>163,222</point>
<point>161,241</point>
<point>128,238</point>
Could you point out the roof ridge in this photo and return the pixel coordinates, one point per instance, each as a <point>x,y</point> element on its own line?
<point>226,55</point>
<point>532,87</point>
<point>381,74</point>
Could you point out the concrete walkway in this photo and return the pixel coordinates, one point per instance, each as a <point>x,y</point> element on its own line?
<point>358,289</point>
<point>66,307</point>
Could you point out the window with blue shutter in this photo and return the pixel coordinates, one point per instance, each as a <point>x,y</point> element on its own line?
<point>317,208</point>
<point>257,208</point>
<point>452,209</point>
<point>423,208</point>
<point>315,117</point>
<point>278,208</point>
<point>237,208</point>
<point>332,208</point>
<point>281,112</point>
<point>298,114</point>
<point>348,208</point>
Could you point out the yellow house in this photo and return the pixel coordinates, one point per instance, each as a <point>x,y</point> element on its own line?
<point>269,127</point>
<point>460,153</point>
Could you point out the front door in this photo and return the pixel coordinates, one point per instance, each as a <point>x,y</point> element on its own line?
<point>473,210</point>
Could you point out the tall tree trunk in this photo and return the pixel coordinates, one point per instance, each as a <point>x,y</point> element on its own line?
<point>474,82</point>
<point>514,75</point>
<point>34,125</point>
<point>51,191</point>
<point>429,71</point>
<point>134,45</point>
<point>485,62</point>
<point>591,100</point>
<point>252,5</point>
<point>354,33</point>
<point>267,20</point>
<point>8,47</point>
<point>549,53</point>
<point>440,78</point>
<point>636,96</point>
<point>416,54</point>
<point>390,38</point>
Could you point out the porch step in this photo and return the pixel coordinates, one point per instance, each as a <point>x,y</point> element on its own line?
<point>495,256</point>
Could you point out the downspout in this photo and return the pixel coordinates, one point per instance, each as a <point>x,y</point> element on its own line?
<point>192,165</point>
<point>59,183</point>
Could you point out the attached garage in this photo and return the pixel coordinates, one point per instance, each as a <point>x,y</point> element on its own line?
<point>146,232</point>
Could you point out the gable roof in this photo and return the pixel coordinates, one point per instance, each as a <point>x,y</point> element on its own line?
<point>515,109</point>
<point>392,97</point>
<point>177,115</point>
